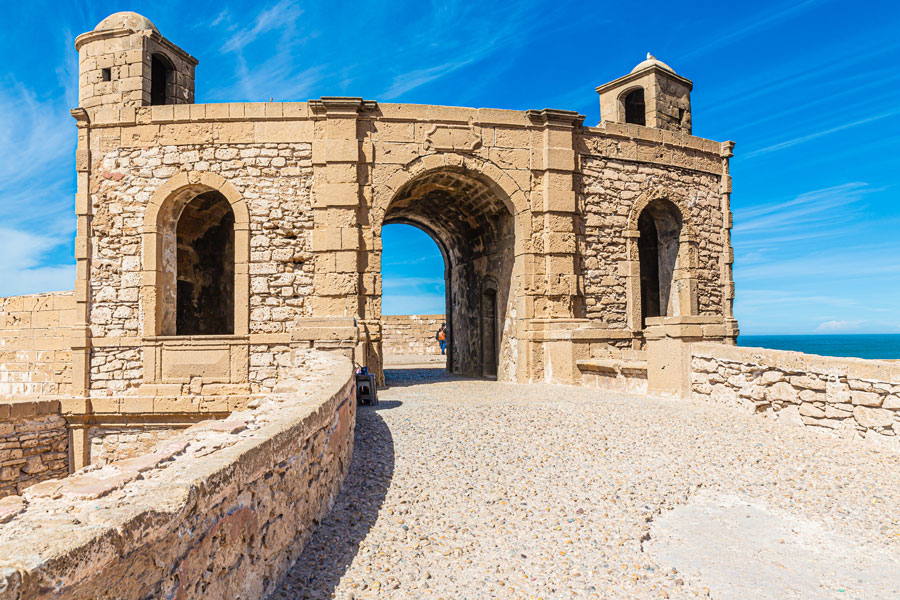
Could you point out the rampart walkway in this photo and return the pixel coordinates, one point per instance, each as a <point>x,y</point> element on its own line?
<point>473,489</point>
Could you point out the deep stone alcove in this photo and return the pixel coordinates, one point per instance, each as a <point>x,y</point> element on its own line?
<point>205,272</point>
<point>660,228</point>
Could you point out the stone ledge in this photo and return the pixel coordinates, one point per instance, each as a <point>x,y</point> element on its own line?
<point>125,528</point>
<point>16,409</point>
<point>614,366</point>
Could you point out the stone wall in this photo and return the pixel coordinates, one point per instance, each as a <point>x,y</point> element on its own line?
<point>34,444</point>
<point>609,191</point>
<point>35,350</point>
<point>853,397</point>
<point>410,334</point>
<point>220,510</point>
<point>274,179</point>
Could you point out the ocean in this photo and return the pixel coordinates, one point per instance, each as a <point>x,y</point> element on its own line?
<point>880,345</point>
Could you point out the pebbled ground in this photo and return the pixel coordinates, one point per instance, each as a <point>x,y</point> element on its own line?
<point>465,489</point>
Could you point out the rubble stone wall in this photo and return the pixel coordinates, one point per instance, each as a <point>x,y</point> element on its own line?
<point>275,180</point>
<point>220,510</point>
<point>35,347</point>
<point>411,334</point>
<point>34,444</point>
<point>609,190</point>
<point>850,396</point>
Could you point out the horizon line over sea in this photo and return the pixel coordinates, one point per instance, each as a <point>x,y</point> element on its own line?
<point>857,345</point>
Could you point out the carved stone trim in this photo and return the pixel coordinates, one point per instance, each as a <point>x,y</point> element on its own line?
<point>453,138</point>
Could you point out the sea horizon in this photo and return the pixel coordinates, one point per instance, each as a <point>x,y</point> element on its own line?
<point>855,345</point>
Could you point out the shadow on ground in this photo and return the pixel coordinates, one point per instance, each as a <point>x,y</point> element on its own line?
<point>336,541</point>
<point>405,377</point>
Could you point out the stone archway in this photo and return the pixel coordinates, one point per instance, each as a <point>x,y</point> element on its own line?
<point>160,250</point>
<point>469,218</point>
<point>664,216</point>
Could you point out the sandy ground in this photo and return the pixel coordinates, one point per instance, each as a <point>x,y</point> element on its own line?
<point>466,488</point>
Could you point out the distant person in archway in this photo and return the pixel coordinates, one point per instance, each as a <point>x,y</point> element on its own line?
<point>441,337</point>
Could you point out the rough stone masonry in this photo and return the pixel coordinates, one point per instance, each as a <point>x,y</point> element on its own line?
<point>215,239</point>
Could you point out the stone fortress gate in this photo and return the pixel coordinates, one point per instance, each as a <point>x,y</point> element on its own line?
<point>212,239</point>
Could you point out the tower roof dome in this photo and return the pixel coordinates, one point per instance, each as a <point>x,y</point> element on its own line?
<point>126,20</point>
<point>651,61</point>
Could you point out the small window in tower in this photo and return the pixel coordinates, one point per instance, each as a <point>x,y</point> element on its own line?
<point>634,107</point>
<point>106,74</point>
<point>162,75</point>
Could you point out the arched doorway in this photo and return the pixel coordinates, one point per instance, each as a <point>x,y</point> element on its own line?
<point>472,224</point>
<point>659,225</point>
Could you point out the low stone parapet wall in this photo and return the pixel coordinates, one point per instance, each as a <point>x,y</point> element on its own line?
<point>35,349</point>
<point>410,334</point>
<point>219,511</point>
<point>851,396</point>
<point>34,444</point>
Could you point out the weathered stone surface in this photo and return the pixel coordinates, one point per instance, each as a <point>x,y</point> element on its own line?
<point>33,445</point>
<point>225,507</point>
<point>866,398</point>
<point>872,417</point>
<point>825,394</point>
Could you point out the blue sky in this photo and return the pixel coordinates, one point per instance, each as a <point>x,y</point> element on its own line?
<point>810,91</point>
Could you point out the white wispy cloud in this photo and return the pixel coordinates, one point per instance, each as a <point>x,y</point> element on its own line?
<point>409,283</point>
<point>838,326</point>
<point>844,264</point>
<point>817,134</point>
<point>762,23</point>
<point>22,269</point>
<point>825,212</point>
<point>278,17</point>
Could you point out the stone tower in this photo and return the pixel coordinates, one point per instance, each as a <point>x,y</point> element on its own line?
<point>652,95</point>
<point>125,62</point>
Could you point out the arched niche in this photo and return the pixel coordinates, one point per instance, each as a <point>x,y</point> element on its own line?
<point>186,221</point>
<point>661,259</point>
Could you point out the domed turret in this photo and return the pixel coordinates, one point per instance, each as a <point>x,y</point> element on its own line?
<point>652,95</point>
<point>126,20</point>
<point>126,62</point>
<point>651,61</point>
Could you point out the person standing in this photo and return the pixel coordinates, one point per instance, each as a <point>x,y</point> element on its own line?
<point>441,337</point>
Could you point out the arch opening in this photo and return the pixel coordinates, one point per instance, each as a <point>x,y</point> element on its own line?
<point>470,220</point>
<point>635,109</point>
<point>204,237</point>
<point>659,226</point>
<point>162,75</point>
<point>414,272</point>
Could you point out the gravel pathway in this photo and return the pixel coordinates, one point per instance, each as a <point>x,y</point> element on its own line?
<point>466,489</point>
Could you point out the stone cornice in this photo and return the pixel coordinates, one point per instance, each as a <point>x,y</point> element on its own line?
<point>556,117</point>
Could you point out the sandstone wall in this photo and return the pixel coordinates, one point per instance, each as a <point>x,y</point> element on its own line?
<point>853,397</point>
<point>609,190</point>
<point>274,179</point>
<point>220,510</point>
<point>35,351</point>
<point>34,444</point>
<point>411,334</point>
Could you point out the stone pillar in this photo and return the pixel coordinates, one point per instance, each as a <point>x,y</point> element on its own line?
<point>342,240</point>
<point>731,324</point>
<point>553,286</point>
<point>669,354</point>
<point>81,339</point>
